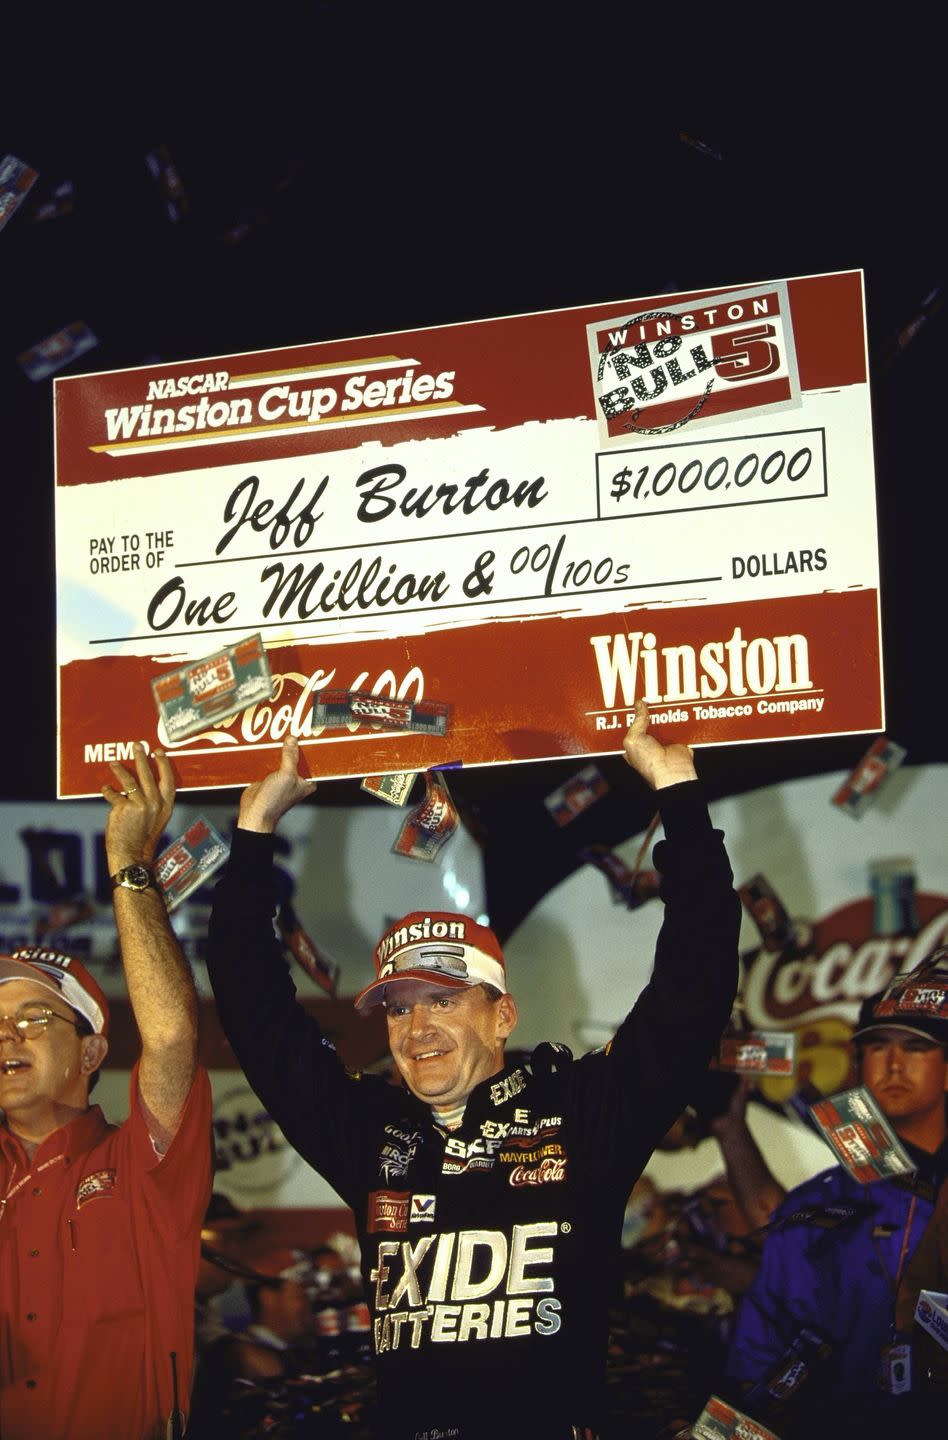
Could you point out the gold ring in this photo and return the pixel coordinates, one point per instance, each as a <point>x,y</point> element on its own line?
<point>130,792</point>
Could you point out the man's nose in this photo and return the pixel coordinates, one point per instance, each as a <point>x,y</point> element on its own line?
<point>420,1019</point>
<point>895,1057</point>
<point>8,1030</point>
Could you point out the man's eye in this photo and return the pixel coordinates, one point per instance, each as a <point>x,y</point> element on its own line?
<point>396,1010</point>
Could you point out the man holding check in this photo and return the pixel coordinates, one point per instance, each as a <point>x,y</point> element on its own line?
<point>100,1224</point>
<point>488,1197</point>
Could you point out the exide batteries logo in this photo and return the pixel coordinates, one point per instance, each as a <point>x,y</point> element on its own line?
<point>660,369</point>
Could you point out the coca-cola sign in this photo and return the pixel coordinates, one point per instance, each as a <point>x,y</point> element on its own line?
<point>841,964</point>
<point>549,1170</point>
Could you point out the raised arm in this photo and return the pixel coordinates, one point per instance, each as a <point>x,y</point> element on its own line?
<point>291,1065</point>
<point>695,974</point>
<point>663,1046</point>
<point>756,1189</point>
<point>159,980</point>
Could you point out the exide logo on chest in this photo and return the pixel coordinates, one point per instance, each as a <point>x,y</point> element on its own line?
<point>467,1285</point>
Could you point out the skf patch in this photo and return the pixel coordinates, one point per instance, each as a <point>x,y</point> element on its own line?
<point>102,1182</point>
<point>422,1209</point>
<point>387,1210</point>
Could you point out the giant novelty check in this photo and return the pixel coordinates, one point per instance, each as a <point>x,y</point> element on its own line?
<point>533,520</point>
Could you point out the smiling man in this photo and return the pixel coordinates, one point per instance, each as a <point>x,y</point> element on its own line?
<point>100,1224</point>
<point>45,1084</point>
<point>837,1255</point>
<point>488,1196</point>
<point>446,1004</point>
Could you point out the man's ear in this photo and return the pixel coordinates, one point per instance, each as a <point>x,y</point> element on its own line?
<point>507,1016</point>
<point>94,1050</point>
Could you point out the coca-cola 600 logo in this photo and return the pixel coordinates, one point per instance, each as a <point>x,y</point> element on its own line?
<point>290,707</point>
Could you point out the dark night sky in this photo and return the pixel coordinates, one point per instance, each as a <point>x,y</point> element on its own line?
<point>431,163</point>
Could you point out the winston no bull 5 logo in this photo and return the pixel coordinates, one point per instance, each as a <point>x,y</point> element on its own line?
<point>688,363</point>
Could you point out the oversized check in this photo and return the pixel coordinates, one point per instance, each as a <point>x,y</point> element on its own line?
<point>533,520</point>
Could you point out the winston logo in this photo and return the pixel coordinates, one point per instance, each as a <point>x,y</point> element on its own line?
<point>387,1210</point>
<point>424,929</point>
<point>633,666</point>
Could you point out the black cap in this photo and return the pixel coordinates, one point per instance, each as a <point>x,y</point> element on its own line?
<point>916,1002</point>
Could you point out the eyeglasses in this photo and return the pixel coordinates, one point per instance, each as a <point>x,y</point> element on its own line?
<point>31,1020</point>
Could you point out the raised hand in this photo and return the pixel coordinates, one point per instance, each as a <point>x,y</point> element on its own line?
<point>659,765</point>
<point>263,803</point>
<point>139,809</point>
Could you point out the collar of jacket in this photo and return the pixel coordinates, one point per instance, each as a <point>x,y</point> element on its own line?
<point>503,1089</point>
<point>931,1172</point>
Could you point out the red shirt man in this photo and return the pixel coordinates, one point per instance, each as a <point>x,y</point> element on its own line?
<point>100,1225</point>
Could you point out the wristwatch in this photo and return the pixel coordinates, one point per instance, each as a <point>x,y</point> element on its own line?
<point>134,877</point>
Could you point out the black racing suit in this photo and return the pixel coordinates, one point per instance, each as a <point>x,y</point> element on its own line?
<point>490,1253</point>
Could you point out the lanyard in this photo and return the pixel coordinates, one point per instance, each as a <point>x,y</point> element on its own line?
<point>12,1189</point>
<point>903,1252</point>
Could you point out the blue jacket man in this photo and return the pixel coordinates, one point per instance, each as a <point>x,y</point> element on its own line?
<point>837,1250</point>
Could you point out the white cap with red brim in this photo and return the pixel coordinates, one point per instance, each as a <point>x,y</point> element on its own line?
<point>437,948</point>
<point>63,976</point>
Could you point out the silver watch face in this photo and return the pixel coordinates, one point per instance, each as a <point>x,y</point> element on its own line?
<point>134,877</point>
